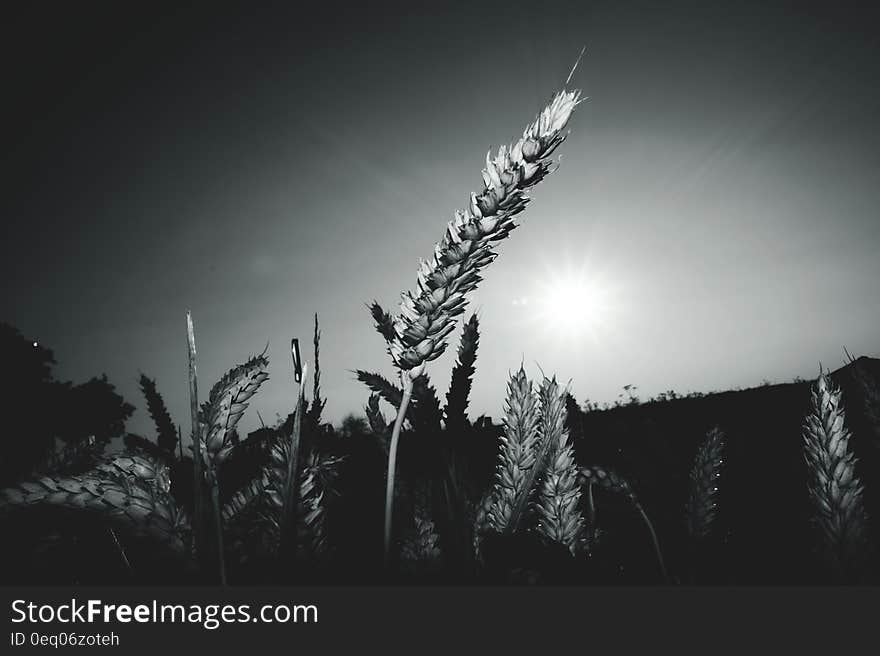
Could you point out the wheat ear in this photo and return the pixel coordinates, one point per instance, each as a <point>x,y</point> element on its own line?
<point>420,549</point>
<point>131,492</point>
<point>313,484</point>
<point>428,314</point>
<point>559,519</point>
<point>462,373</point>
<point>315,488</point>
<point>225,406</point>
<point>380,385</point>
<point>318,404</point>
<point>375,418</point>
<point>166,435</point>
<point>516,457</point>
<point>834,486</point>
<point>702,502</point>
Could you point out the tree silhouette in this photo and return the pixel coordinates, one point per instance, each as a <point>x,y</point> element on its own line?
<point>51,424</point>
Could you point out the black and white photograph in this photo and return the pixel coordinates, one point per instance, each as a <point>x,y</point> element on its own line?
<point>397,295</point>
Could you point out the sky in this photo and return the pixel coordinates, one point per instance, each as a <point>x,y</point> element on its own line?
<point>713,222</point>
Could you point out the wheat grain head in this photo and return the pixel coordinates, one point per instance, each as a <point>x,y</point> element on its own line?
<point>559,519</point>
<point>517,452</point>
<point>428,314</point>
<point>834,486</point>
<point>703,499</point>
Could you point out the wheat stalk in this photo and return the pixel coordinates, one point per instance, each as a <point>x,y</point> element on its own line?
<point>516,454</point>
<point>214,434</point>
<point>702,502</point>
<point>557,504</point>
<point>428,315</point>
<point>200,545</point>
<point>834,486</point>
<point>222,411</point>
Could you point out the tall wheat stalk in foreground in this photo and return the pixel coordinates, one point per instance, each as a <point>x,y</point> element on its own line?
<point>834,487</point>
<point>214,424</point>
<point>427,315</point>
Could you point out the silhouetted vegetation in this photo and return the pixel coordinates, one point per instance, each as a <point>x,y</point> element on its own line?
<point>755,529</point>
<point>51,425</point>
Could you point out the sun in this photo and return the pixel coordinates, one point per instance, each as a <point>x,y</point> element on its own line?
<point>569,305</point>
<point>573,302</point>
<point>573,305</point>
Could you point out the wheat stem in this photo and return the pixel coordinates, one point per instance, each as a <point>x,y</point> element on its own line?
<point>218,528</point>
<point>392,463</point>
<point>198,526</point>
<point>608,479</point>
<point>288,524</point>
<point>591,506</point>
<point>653,539</point>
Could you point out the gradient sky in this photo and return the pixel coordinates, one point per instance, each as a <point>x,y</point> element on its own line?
<point>719,189</point>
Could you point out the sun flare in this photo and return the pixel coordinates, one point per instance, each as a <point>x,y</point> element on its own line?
<point>573,305</point>
<point>570,305</point>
